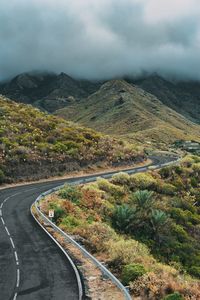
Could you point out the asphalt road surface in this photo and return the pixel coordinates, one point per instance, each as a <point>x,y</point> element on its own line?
<point>32,267</point>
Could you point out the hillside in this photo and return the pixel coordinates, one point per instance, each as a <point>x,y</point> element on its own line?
<point>51,92</point>
<point>36,145</point>
<point>182,96</point>
<point>123,109</point>
<point>144,227</point>
<point>47,91</point>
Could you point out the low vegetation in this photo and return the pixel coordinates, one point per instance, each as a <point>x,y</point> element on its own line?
<point>140,116</point>
<point>146,227</point>
<point>36,145</point>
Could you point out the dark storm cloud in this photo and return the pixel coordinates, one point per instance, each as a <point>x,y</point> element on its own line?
<point>100,39</point>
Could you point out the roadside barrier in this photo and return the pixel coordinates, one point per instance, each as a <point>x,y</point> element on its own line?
<point>103,269</point>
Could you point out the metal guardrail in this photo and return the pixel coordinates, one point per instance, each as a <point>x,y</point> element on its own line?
<point>104,270</point>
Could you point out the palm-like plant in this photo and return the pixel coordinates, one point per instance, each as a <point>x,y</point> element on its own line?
<point>122,218</point>
<point>143,199</point>
<point>158,217</point>
<point>159,221</point>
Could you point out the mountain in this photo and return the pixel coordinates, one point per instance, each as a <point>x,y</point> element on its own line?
<point>37,145</point>
<point>127,110</point>
<point>51,92</point>
<point>151,109</point>
<point>182,96</point>
<point>47,91</point>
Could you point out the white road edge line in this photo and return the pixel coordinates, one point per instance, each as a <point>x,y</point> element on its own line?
<point>13,245</point>
<point>16,257</point>
<point>15,296</point>
<point>2,220</point>
<point>8,233</point>
<point>18,278</point>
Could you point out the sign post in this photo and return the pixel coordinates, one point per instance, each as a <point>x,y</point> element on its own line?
<point>51,214</point>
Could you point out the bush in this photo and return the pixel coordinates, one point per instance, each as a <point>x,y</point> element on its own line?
<point>174,296</point>
<point>194,182</point>
<point>131,272</point>
<point>195,271</point>
<point>165,172</point>
<point>121,178</point>
<point>114,190</point>
<point>2,177</point>
<point>70,222</point>
<point>70,193</point>
<point>167,189</point>
<point>143,181</point>
<point>58,214</point>
<point>98,235</point>
<point>128,251</point>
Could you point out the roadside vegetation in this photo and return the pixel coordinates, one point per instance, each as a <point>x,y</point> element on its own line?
<point>36,145</point>
<point>146,227</point>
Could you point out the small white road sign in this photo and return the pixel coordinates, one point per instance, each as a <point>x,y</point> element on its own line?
<point>51,213</point>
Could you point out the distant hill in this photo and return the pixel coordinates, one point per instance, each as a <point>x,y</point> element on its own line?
<point>37,145</point>
<point>47,91</point>
<point>124,109</point>
<point>150,109</point>
<point>182,96</point>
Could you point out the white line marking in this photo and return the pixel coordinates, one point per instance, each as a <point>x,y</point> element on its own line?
<point>11,240</point>
<point>15,296</point>
<point>16,257</point>
<point>18,278</point>
<point>2,220</point>
<point>13,245</point>
<point>7,231</point>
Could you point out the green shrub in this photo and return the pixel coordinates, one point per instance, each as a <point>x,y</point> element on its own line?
<point>70,193</point>
<point>70,222</point>
<point>59,212</point>
<point>143,181</point>
<point>2,177</point>
<point>174,296</point>
<point>131,272</point>
<point>194,182</point>
<point>114,190</point>
<point>167,189</point>
<point>165,172</point>
<point>121,178</point>
<point>195,271</point>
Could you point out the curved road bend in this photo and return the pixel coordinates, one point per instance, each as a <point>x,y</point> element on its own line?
<point>32,267</point>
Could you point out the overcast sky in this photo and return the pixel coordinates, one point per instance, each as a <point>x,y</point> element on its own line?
<point>98,39</point>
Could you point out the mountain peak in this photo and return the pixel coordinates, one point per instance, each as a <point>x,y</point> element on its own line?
<point>117,85</point>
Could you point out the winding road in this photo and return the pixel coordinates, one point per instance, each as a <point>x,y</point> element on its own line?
<point>32,267</point>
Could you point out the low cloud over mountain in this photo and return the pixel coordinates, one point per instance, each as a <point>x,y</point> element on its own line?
<point>100,39</point>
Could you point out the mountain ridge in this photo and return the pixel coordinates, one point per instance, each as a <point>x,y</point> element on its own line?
<point>125,109</point>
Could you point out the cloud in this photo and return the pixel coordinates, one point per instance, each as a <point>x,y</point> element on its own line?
<point>100,39</point>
